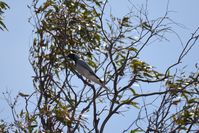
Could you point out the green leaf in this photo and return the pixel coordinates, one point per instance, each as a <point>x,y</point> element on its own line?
<point>91,63</point>
<point>133,91</point>
<point>185,96</point>
<point>3,5</point>
<point>129,102</point>
<point>135,104</point>
<point>146,25</point>
<point>21,113</point>
<point>57,73</point>
<point>136,130</point>
<point>132,49</point>
<point>97,3</point>
<point>193,100</point>
<point>148,75</point>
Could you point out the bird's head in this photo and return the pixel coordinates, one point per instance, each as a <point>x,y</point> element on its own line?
<point>73,57</point>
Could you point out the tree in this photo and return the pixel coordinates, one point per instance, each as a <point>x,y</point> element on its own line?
<point>78,26</point>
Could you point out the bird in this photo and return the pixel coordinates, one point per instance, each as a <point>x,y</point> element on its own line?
<point>84,69</point>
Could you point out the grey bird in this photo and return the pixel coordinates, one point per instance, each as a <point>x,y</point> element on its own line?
<point>84,69</point>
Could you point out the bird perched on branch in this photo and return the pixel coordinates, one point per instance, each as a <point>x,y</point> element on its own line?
<point>84,70</point>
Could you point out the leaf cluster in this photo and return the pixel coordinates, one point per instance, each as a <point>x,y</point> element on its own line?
<point>3,6</point>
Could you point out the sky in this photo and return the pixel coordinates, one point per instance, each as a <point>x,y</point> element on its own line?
<point>16,70</point>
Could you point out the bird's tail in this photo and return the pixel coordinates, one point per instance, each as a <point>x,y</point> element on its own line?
<point>104,86</point>
<point>101,83</point>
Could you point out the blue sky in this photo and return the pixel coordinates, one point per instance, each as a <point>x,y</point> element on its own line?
<point>16,71</point>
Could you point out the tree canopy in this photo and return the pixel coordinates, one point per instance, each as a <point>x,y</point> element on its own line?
<point>63,99</point>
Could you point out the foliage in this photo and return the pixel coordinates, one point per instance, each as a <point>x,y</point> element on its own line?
<point>3,127</point>
<point>3,6</point>
<point>110,48</point>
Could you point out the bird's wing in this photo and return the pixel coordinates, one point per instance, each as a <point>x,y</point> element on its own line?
<point>84,65</point>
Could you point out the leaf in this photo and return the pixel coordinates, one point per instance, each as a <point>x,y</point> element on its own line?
<point>148,75</point>
<point>129,102</point>
<point>21,114</point>
<point>97,3</point>
<point>193,100</point>
<point>187,114</point>
<point>136,130</point>
<point>125,19</point>
<point>133,91</point>
<point>136,64</point>
<point>91,63</point>
<point>135,104</point>
<point>132,49</point>
<point>23,94</point>
<point>185,96</point>
<point>3,26</point>
<point>146,26</point>
<point>3,5</point>
<point>125,22</point>
<point>33,126</point>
